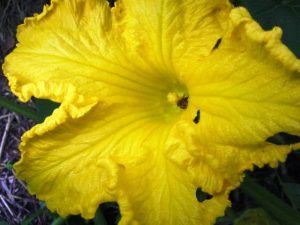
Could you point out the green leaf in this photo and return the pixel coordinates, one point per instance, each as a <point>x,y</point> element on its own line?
<point>8,165</point>
<point>292,191</point>
<point>255,217</point>
<point>29,219</point>
<point>269,202</point>
<point>44,107</point>
<point>99,218</point>
<point>229,217</point>
<point>76,220</point>
<point>4,223</point>
<point>297,153</point>
<point>284,13</point>
<point>58,221</point>
<point>19,109</point>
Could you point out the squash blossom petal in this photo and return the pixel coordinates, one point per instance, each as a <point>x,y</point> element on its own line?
<point>158,98</point>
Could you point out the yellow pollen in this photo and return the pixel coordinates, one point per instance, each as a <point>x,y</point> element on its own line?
<point>173,97</point>
<point>180,100</point>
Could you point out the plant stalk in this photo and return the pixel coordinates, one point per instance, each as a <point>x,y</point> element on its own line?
<point>272,204</point>
<point>19,109</point>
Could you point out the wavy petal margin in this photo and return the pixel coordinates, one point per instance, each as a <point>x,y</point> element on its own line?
<point>246,91</point>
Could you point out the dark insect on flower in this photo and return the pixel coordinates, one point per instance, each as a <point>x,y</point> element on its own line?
<point>183,102</point>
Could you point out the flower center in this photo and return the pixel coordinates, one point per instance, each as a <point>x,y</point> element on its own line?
<point>171,102</point>
<point>180,100</point>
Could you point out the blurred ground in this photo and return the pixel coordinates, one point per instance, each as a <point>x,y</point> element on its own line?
<point>15,202</point>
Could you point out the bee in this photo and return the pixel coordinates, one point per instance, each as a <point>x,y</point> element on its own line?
<point>183,102</point>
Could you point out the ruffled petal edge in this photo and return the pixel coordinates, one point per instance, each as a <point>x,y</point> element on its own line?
<point>73,105</point>
<point>241,18</point>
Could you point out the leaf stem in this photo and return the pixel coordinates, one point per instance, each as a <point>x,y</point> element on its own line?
<point>276,207</point>
<point>58,221</point>
<point>99,218</point>
<point>19,109</point>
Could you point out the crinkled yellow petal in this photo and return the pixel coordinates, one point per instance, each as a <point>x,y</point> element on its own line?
<point>162,32</point>
<point>78,167</point>
<point>158,191</point>
<point>82,151</point>
<point>252,83</point>
<point>90,51</point>
<point>157,99</point>
<point>246,91</point>
<point>252,78</point>
<point>112,154</point>
<point>82,51</point>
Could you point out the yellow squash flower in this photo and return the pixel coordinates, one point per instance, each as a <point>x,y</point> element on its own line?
<point>158,98</point>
